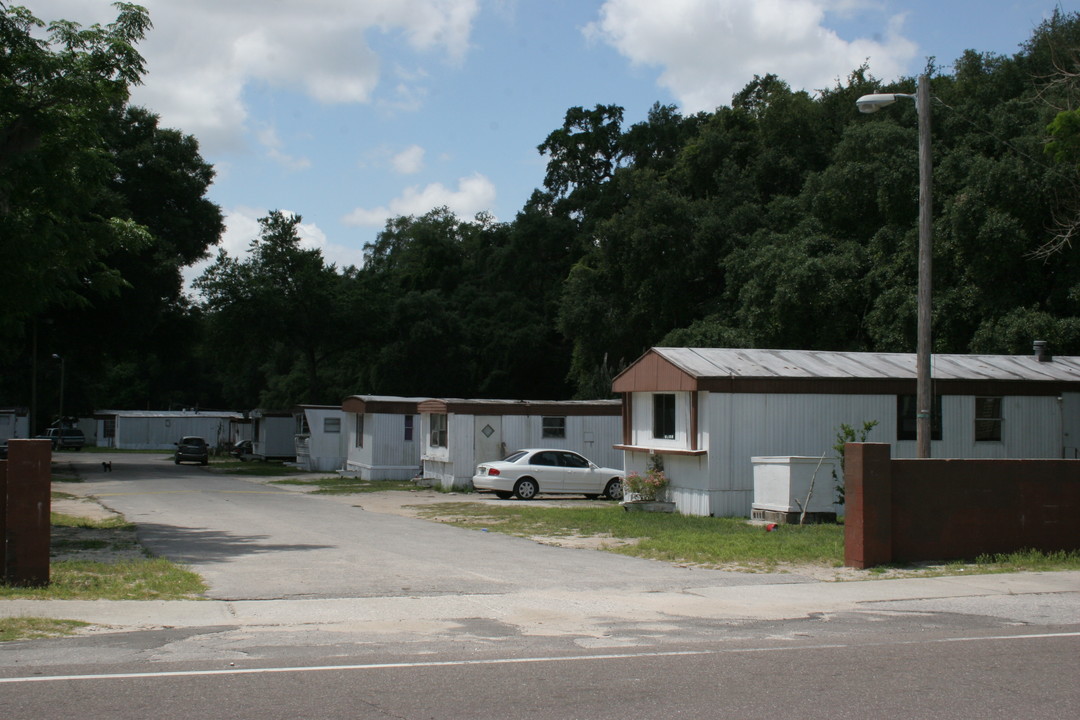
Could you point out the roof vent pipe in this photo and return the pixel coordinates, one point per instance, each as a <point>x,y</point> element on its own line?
<point>1041,353</point>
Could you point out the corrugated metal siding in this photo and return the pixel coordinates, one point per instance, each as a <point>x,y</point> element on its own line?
<point>591,435</point>
<point>162,433</point>
<point>388,439</point>
<point>326,451</point>
<point>386,455</point>
<point>275,437</point>
<point>1070,418</point>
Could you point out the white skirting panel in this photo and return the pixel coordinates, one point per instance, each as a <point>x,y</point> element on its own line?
<point>382,472</point>
<point>723,503</point>
<point>690,502</point>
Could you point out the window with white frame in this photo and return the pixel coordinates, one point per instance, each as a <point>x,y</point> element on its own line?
<point>359,442</point>
<point>438,430</point>
<point>553,427</point>
<point>987,419</point>
<point>331,425</point>
<point>664,416</point>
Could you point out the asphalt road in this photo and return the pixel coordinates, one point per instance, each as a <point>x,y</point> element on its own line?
<point>322,609</point>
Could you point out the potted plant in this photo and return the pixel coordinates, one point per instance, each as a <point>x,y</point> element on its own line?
<point>648,491</point>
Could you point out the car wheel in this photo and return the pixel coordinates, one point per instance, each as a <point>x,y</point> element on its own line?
<point>614,490</point>
<point>176,461</point>
<point>503,495</point>
<point>204,462</point>
<point>526,488</point>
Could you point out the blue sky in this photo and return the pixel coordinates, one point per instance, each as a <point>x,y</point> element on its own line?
<point>348,112</point>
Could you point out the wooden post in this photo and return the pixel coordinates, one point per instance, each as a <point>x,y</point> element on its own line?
<point>924,400</point>
<point>868,504</point>
<point>25,507</point>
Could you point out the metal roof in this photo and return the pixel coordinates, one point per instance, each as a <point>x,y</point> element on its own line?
<point>796,364</point>
<point>387,398</point>
<point>168,413</point>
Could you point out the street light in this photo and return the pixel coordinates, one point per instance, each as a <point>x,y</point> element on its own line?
<point>57,357</point>
<point>870,104</point>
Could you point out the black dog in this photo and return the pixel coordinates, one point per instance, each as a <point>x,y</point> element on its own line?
<point>106,466</point>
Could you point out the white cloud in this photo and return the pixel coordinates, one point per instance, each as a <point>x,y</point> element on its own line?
<point>474,194</point>
<point>202,54</point>
<point>409,161</point>
<point>269,139</point>
<point>709,49</point>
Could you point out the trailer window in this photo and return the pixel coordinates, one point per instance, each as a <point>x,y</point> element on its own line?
<point>664,416</point>
<point>438,430</point>
<point>987,419</point>
<point>553,427</point>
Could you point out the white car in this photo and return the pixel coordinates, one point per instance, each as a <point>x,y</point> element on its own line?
<point>527,473</point>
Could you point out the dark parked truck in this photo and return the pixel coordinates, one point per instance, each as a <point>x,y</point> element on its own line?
<point>64,438</point>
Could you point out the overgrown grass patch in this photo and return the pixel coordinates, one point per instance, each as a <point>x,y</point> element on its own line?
<point>143,579</point>
<point>32,628</point>
<point>337,485</point>
<point>1029,560</point>
<point>706,541</point>
<point>256,468</point>
<point>75,573</point>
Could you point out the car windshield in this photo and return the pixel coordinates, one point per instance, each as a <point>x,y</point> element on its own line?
<point>193,441</point>
<point>514,457</point>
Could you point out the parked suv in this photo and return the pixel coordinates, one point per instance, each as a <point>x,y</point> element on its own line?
<point>64,438</point>
<point>192,449</point>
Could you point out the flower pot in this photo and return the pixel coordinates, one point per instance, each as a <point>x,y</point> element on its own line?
<point>648,506</point>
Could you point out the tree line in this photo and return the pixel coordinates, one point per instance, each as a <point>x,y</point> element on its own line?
<point>784,220</point>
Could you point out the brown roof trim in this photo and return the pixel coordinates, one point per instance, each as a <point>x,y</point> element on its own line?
<point>361,406</point>
<point>651,373</point>
<point>522,407</point>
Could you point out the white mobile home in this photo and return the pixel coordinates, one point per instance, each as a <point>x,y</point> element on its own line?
<point>161,429</point>
<point>459,434</point>
<point>383,438</point>
<point>705,412</point>
<point>272,434</point>
<point>14,423</point>
<point>319,442</point>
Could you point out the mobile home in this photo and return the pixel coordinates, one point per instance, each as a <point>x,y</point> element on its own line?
<point>706,412</point>
<point>382,436</point>
<point>319,442</point>
<point>458,434</point>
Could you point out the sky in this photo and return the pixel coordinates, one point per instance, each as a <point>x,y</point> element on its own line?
<point>350,112</point>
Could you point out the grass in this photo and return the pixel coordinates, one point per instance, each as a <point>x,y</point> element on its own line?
<point>711,542</point>
<point>135,576</point>
<point>730,543</point>
<point>31,628</point>
<point>346,486</point>
<point>142,579</point>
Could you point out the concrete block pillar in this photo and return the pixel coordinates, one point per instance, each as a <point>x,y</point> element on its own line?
<point>868,504</point>
<point>25,507</point>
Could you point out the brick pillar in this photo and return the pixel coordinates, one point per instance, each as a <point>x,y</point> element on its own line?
<point>25,504</point>
<point>868,504</point>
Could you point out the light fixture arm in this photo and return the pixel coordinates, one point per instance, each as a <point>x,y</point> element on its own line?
<point>924,397</point>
